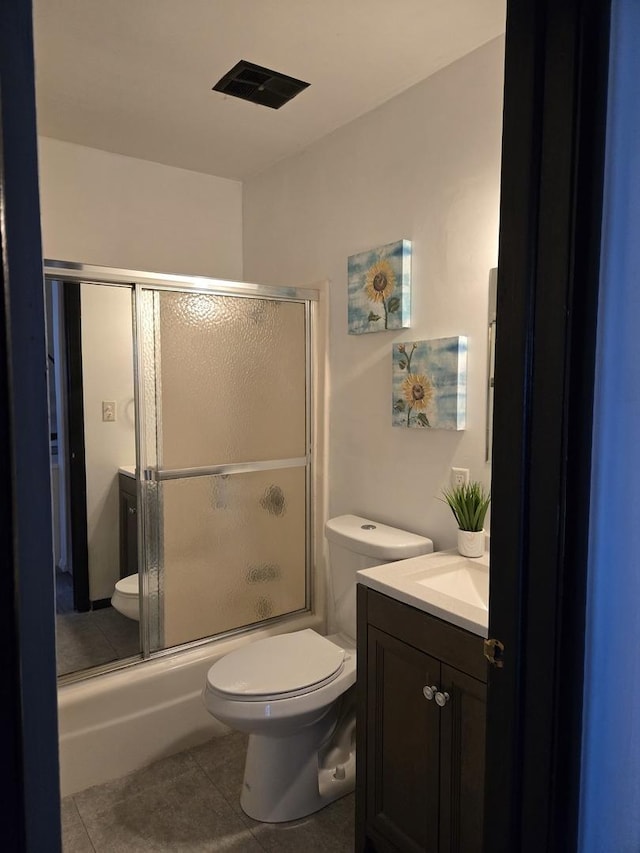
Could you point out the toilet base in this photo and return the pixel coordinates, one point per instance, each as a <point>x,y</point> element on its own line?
<point>126,606</point>
<point>283,780</point>
<point>127,601</point>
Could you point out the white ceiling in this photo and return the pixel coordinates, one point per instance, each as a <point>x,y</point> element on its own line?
<point>134,76</point>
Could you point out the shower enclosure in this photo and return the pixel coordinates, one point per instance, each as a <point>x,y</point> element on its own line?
<point>224,452</point>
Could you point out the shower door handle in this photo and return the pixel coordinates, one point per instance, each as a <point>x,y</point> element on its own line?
<point>227,468</point>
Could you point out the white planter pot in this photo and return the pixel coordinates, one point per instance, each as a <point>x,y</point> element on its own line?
<point>471,543</point>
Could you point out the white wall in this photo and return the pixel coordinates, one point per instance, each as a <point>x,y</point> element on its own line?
<point>425,166</point>
<point>107,374</point>
<point>102,208</point>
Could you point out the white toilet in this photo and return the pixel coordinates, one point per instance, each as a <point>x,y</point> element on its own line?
<point>294,694</point>
<point>126,597</point>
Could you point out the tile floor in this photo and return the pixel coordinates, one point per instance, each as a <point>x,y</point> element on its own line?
<point>191,802</point>
<point>89,639</point>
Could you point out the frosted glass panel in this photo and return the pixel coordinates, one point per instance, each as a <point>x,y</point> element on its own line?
<point>232,378</point>
<point>147,310</point>
<point>234,551</point>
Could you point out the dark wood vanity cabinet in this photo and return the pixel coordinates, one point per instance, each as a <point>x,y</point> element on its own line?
<point>128,521</point>
<point>420,767</point>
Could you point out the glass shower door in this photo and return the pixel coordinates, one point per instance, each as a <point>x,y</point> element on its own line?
<point>225,444</point>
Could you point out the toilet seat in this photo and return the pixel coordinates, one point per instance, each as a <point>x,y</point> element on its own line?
<point>280,667</point>
<point>129,586</point>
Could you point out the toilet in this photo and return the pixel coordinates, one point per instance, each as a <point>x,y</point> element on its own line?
<point>294,694</point>
<point>126,597</point>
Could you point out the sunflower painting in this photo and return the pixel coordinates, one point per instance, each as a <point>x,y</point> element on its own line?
<point>430,384</point>
<point>380,288</point>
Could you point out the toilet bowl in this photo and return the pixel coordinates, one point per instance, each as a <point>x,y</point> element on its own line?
<point>126,597</point>
<point>294,694</point>
<point>284,692</point>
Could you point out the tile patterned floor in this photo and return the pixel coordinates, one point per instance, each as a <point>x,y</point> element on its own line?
<point>190,802</point>
<point>89,639</point>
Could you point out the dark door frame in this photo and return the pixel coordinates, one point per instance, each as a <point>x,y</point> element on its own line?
<point>75,445</point>
<point>556,69</point>
<point>30,813</point>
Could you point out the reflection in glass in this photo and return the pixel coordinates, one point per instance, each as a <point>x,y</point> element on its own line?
<point>92,418</point>
<point>491,357</point>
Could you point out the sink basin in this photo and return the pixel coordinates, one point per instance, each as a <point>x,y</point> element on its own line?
<point>465,582</point>
<point>444,583</point>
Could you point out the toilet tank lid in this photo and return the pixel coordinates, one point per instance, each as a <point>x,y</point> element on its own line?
<point>376,540</point>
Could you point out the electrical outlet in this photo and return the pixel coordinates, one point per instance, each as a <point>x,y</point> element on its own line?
<point>459,477</point>
<point>108,410</point>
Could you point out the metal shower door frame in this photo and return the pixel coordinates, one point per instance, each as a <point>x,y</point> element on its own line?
<point>137,281</point>
<point>151,474</point>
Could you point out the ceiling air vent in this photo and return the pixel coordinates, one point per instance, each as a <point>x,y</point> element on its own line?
<point>259,85</point>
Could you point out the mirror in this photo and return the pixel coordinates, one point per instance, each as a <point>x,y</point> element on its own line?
<point>491,357</point>
<point>92,422</point>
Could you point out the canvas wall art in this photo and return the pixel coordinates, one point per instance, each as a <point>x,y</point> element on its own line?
<point>379,285</point>
<point>430,384</point>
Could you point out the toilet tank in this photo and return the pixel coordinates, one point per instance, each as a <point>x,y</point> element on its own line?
<point>360,543</point>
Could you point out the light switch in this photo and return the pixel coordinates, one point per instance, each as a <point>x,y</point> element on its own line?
<point>108,410</point>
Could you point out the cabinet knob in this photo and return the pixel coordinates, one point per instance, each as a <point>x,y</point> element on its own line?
<point>132,510</point>
<point>429,692</point>
<point>442,699</point>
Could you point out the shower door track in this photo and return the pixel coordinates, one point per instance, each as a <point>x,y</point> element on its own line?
<point>72,271</point>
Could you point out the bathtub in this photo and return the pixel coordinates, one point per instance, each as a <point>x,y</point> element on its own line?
<point>112,724</point>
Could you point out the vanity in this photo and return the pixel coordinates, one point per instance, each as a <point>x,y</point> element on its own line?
<point>128,520</point>
<point>422,704</point>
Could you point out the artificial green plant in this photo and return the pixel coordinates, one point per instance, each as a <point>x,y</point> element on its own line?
<point>469,504</point>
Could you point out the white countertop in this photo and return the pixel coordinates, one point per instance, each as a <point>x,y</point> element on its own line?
<point>127,470</point>
<point>444,584</point>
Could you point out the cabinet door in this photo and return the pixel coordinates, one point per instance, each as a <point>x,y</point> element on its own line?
<point>462,742</point>
<point>128,534</point>
<point>402,744</point>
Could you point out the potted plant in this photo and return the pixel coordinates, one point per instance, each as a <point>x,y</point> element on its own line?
<point>469,504</point>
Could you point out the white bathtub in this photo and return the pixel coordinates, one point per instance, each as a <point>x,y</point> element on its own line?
<point>112,724</point>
